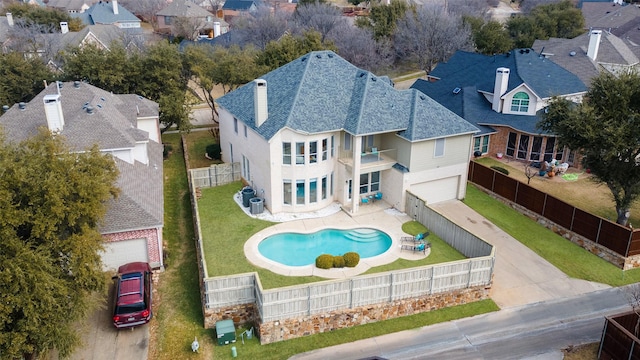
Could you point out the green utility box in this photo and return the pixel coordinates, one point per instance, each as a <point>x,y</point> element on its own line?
<point>226,332</point>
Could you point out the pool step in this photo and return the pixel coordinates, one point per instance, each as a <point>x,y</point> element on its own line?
<point>362,235</point>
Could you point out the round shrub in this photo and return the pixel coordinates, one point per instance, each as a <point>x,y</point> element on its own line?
<point>213,151</point>
<point>338,262</point>
<point>166,151</point>
<point>500,169</point>
<point>324,261</point>
<point>351,259</point>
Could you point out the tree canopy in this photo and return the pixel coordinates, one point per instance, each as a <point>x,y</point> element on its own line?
<point>561,20</point>
<point>490,37</point>
<point>51,202</point>
<point>21,78</point>
<point>49,17</point>
<point>605,129</point>
<point>382,19</point>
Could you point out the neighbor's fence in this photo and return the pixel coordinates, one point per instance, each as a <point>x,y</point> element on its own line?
<point>617,238</point>
<point>215,175</point>
<point>618,341</point>
<point>325,296</point>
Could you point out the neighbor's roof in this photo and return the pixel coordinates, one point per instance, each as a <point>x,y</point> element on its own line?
<point>571,54</point>
<point>472,73</point>
<point>102,13</point>
<point>321,92</point>
<point>113,125</point>
<point>67,5</point>
<point>184,8</point>
<point>238,4</point>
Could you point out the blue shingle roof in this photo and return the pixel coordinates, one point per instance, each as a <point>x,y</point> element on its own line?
<point>474,73</point>
<point>102,13</point>
<point>321,92</point>
<point>238,4</point>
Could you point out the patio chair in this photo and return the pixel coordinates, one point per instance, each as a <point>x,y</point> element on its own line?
<point>419,238</point>
<point>416,247</point>
<point>378,196</point>
<point>364,200</point>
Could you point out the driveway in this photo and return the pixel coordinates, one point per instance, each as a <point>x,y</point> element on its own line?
<point>101,340</point>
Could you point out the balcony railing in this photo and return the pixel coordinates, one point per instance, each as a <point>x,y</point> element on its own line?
<point>372,158</point>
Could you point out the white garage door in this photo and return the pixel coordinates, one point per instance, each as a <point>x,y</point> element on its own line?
<point>437,190</point>
<point>122,252</point>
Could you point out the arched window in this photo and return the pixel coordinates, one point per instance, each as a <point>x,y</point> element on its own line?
<point>520,102</point>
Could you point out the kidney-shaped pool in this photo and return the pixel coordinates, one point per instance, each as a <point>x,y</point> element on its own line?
<point>295,249</point>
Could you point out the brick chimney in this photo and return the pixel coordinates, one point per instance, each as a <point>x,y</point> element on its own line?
<point>260,101</point>
<point>499,88</point>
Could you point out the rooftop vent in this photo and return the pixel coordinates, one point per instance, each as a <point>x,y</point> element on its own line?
<point>456,91</point>
<point>89,109</point>
<point>76,84</point>
<point>422,97</point>
<point>99,106</point>
<point>373,78</point>
<point>60,85</point>
<point>303,59</point>
<point>5,108</point>
<point>527,51</point>
<point>22,105</point>
<point>319,56</point>
<point>330,55</point>
<point>362,74</point>
<point>102,99</point>
<point>573,53</point>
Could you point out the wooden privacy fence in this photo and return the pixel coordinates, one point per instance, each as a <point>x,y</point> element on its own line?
<point>386,287</point>
<point>620,239</point>
<point>325,296</point>
<point>618,341</point>
<point>215,175</point>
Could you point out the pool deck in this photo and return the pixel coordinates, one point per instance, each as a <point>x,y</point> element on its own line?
<point>378,215</point>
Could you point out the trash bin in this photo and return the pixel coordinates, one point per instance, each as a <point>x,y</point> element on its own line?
<point>247,194</point>
<point>257,205</point>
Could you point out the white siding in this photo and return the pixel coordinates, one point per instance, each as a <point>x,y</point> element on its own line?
<point>456,151</point>
<point>140,153</point>
<point>150,125</point>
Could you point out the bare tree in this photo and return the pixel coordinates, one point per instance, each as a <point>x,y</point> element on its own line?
<point>469,7</point>
<point>527,5</point>
<point>357,46</point>
<point>261,27</point>
<point>529,172</point>
<point>34,39</point>
<point>185,27</point>
<point>324,18</point>
<point>146,9</point>
<point>632,292</point>
<point>431,35</point>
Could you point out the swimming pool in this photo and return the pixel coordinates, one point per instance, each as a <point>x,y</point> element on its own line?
<point>295,249</point>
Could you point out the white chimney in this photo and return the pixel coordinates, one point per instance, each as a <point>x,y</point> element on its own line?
<point>594,44</point>
<point>260,101</point>
<point>64,27</point>
<point>216,29</point>
<point>53,112</point>
<point>9,19</point>
<point>115,6</point>
<point>499,88</point>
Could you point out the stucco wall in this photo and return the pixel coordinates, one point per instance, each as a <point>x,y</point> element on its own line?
<point>456,151</point>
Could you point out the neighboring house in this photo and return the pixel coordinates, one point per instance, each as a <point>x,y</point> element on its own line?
<point>615,17</point>
<point>319,130</point>
<point>233,8</point>
<point>589,54</point>
<point>205,23</point>
<point>71,6</point>
<point>125,126</point>
<point>6,22</point>
<point>505,95</point>
<point>225,40</point>
<point>109,13</point>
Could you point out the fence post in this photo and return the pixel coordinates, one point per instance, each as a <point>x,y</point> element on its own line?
<point>390,287</point>
<point>215,172</point>
<point>604,333</point>
<point>469,274</point>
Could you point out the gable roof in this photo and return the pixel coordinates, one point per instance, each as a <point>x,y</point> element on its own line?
<point>70,5</point>
<point>184,8</point>
<point>473,73</point>
<point>321,92</point>
<point>113,125</point>
<point>238,4</point>
<point>102,13</point>
<point>571,54</point>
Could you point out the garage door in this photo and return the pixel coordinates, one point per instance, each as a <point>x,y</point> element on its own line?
<point>122,252</point>
<point>437,190</point>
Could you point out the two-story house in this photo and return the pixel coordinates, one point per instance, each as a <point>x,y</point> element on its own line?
<point>505,96</point>
<point>125,126</point>
<point>319,130</point>
<point>204,23</point>
<point>109,13</point>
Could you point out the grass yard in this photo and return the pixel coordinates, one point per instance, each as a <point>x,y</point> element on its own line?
<point>583,193</point>
<point>562,253</point>
<point>198,142</point>
<point>225,228</point>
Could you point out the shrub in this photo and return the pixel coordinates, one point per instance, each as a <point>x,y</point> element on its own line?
<point>500,169</point>
<point>338,261</point>
<point>166,151</point>
<point>213,151</point>
<point>324,261</point>
<point>351,259</point>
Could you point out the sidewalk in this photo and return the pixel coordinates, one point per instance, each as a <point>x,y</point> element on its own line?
<point>524,283</point>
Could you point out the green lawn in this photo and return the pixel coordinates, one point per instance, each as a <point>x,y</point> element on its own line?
<point>572,259</point>
<point>198,142</point>
<point>225,228</point>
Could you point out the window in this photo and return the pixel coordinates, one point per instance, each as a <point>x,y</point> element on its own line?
<point>520,102</point>
<point>439,149</point>
<point>332,146</point>
<point>300,192</point>
<point>548,148</point>
<point>364,183</point>
<point>313,152</point>
<point>481,144</point>
<point>286,192</point>
<point>324,149</point>
<point>313,190</point>
<point>286,153</point>
<point>235,125</point>
<point>523,147</point>
<point>300,153</point>
<point>535,148</point>
<point>370,182</point>
<point>245,131</point>
<point>324,188</point>
<point>331,185</point>
<point>347,141</point>
<point>231,151</point>
<point>511,144</point>
<point>209,18</point>
<point>246,171</point>
<point>367,142</point>
<point>375,181</point>
<point>168,20</point>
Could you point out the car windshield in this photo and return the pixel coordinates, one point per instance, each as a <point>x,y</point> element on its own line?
<point>130,308</point>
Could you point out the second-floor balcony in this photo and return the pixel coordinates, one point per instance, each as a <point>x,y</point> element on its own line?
<point>373,159</point>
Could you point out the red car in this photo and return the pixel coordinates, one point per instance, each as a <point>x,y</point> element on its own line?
<point>132,305</point>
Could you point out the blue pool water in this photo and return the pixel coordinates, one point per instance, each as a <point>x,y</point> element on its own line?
<point>294,249</point>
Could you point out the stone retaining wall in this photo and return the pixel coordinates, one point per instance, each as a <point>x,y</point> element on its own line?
<point>240,314</point>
